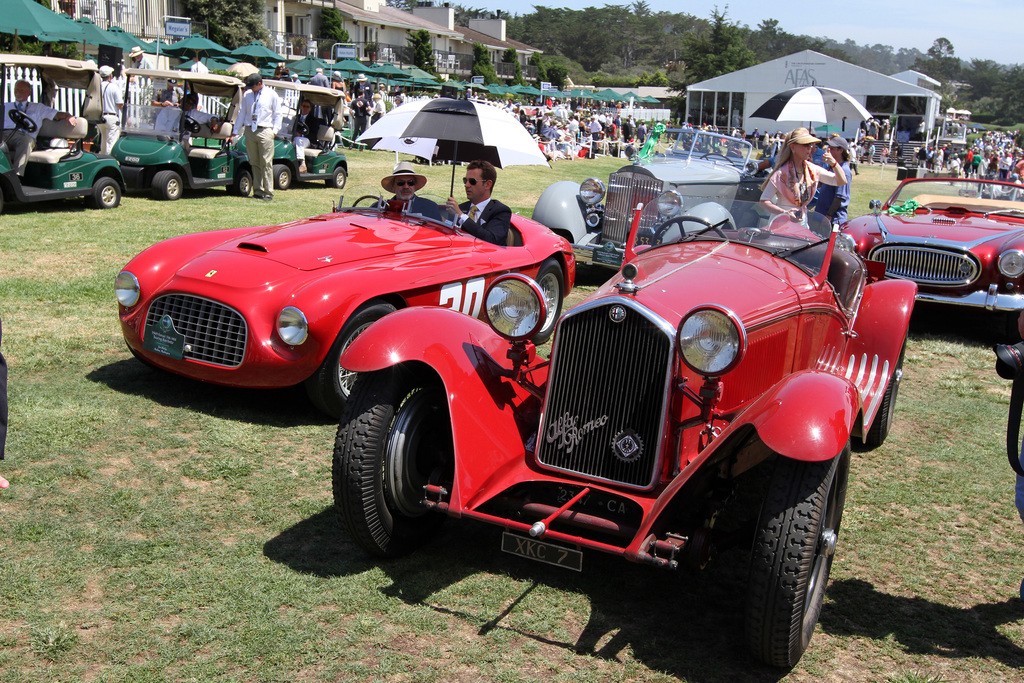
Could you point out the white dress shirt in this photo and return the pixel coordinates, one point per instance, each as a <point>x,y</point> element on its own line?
<point>262,109</point>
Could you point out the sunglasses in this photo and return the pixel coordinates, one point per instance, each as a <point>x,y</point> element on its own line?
<point>405,183</point>
<point>471,181</point>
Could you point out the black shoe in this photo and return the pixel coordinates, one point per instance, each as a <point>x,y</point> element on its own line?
<point>267,197</point>
<point>257,196</point>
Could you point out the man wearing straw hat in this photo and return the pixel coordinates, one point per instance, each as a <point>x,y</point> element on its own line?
<point>139,60</point>
<point>404,182</point>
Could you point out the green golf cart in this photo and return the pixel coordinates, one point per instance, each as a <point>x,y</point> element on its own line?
<point>169,149</point>
<point>58,167</point>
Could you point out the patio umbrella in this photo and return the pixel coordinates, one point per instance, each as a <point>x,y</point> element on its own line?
<point>416,72</point>
<point>462,130</point>
<point>257,51</point>
<point>94,35</point>
<point>29,18</point>
<point>812,105</point>
<point>308,65</point>
<point>125,40</point>
<point>194,45</point>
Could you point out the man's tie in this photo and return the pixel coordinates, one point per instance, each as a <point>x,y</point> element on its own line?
<point>472,213</point>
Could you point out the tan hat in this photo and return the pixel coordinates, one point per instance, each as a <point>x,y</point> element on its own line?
<point>403,169</point>
<point>801,136</point>
<point>136,51</point>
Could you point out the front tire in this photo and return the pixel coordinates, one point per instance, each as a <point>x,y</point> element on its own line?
<point>792,555</point>
<point>338,178</point>
<point>329,387</point>
<point>394,438</point>
<point>242,186</point>
<point>883,420</point>
<point>282,176</point>
<point>106,194</point>
<point>552,283</point>
<point>167,185</point>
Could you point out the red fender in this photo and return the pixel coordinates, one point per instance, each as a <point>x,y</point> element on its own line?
<point>809,416</point>
<point>470,358</point>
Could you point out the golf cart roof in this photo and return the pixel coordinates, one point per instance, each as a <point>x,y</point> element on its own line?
<point>68,73</point>
<point>317,95</point>
<point>205,84</point>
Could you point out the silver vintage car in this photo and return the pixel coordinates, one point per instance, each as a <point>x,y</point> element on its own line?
<point>699,164</point>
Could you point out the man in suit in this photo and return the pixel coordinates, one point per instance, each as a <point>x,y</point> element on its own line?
<point>483,217</point>
<point>306,127</point>
<point>404,182</point>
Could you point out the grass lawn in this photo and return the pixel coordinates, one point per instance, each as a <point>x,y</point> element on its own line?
<point>157,529</point>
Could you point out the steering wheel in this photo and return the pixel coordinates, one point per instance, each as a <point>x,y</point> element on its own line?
<point>302,129</point>
<point>373,197</point>
<point>716,154</point>
<point>659,234</point>
<point>22,121</point>
<point>191,125</point>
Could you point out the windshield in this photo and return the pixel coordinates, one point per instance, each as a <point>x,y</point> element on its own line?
<point>164,117</point>
<point>672,220</point>
<point>711,146</point>
<point>940,194</point>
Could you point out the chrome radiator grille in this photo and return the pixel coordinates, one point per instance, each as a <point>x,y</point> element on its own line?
<point>927,265</point>
<point>626,189</point>
<point>607,390</point>
<point>213,332</point>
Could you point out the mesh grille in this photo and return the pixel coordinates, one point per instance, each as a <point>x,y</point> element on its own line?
<point>608,385</point>
<point>626,189</point>
<point>927,266</point>
<point>213,332</point>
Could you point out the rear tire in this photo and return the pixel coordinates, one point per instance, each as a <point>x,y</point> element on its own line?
<point>394,438</point>
<point>282,176</point>
<point>792,555</point>
<point>167,186</point>
<point>329,387</point>
<point>338,178</point>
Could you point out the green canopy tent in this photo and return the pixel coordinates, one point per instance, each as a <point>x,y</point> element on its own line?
<point>29,18</point>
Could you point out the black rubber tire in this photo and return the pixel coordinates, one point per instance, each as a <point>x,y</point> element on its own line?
<point>394,437</point>
<point>329,387</point>
<point>883,420</point>
<point>167,185</point>
<point>338,178</point>
<point>792,555</point>
<point>552,282</point>
<point>242,184</point>
<point>106,194</point>
<point>282,176</point>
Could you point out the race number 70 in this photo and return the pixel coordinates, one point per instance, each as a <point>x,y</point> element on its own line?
<point>468,298</point>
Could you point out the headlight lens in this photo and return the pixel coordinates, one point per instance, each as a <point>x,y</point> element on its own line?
<point>292,326</point>
<point>1011,263</point>
<point>591,191</point>
<point>126,289</point>
<point>846,243</point>
<point>711,341</point>
<point>669,204</point>
<point>515,307</point>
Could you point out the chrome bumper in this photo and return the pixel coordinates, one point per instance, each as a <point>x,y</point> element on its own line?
<point>991,300</point>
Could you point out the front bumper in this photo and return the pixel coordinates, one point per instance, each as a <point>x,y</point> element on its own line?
<point>990,300</point>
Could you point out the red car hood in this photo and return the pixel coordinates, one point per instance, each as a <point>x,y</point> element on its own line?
<point>325,241</point>
<point>967,229</point>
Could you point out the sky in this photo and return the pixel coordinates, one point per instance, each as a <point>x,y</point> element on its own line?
<point>978,29</point>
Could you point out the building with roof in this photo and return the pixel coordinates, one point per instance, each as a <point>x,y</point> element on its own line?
<point>908,100</point>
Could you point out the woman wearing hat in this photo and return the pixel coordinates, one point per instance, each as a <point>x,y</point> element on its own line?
<point>404,182</point>
<point>795,178</point>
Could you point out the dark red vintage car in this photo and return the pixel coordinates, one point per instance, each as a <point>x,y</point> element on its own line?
<point>728,355</point>
<point>275,306</point>
<point>961,240</point>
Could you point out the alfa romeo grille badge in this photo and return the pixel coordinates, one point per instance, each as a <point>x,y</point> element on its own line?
<point>627,446</point>
<point>617,314</point>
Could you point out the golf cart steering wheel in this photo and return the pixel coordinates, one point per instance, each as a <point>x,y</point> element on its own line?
<point>302,129</point>
<point>191,125</point>
<point>22,121</point>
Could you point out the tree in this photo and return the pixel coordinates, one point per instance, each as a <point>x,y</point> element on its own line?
<point>720,50</point>
<point>332,30</point>
<point>422,52</point>
<point>537,60</point>
<point>482,64</point>
<point>940,62</point>
<point>510,56</point>
<point>557,74</point>
<point>232,23</point>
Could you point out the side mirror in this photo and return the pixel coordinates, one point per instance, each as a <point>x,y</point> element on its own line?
<point>875,205</point>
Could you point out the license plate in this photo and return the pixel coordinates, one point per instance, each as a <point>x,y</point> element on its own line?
<point>542,552</point>
<point>162,338</point>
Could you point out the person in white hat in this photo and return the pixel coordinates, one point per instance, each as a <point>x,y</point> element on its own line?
<point>112,99</point>
<point>18,142</point>
<point>139,60</point>
<point>404,182</point>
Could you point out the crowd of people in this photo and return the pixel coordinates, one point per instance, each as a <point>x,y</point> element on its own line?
<point>992,156</point>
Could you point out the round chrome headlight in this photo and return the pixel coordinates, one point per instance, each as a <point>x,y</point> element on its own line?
<point>1011,263</point>
<point>846,243</point>
<point>670,203</point>
<point>591,191</point>
<point>292,326</point>
<point>126,289</point>
<point>711,341</point>
<point>515,307</point>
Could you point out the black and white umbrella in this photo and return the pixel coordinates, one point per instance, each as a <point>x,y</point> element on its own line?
<point>812,105</point>
<point>455,130</point>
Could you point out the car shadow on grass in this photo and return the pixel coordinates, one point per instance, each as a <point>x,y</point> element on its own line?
<point>288,407</point>
<point>923,627</point>
<point>686,624</point>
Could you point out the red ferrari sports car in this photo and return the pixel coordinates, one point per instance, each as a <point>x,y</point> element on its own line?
<point>960,239</point>
<point>275,306</point>
<point>707,395</point>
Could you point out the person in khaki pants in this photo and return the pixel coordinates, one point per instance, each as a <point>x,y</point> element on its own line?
<point>261,119</point>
